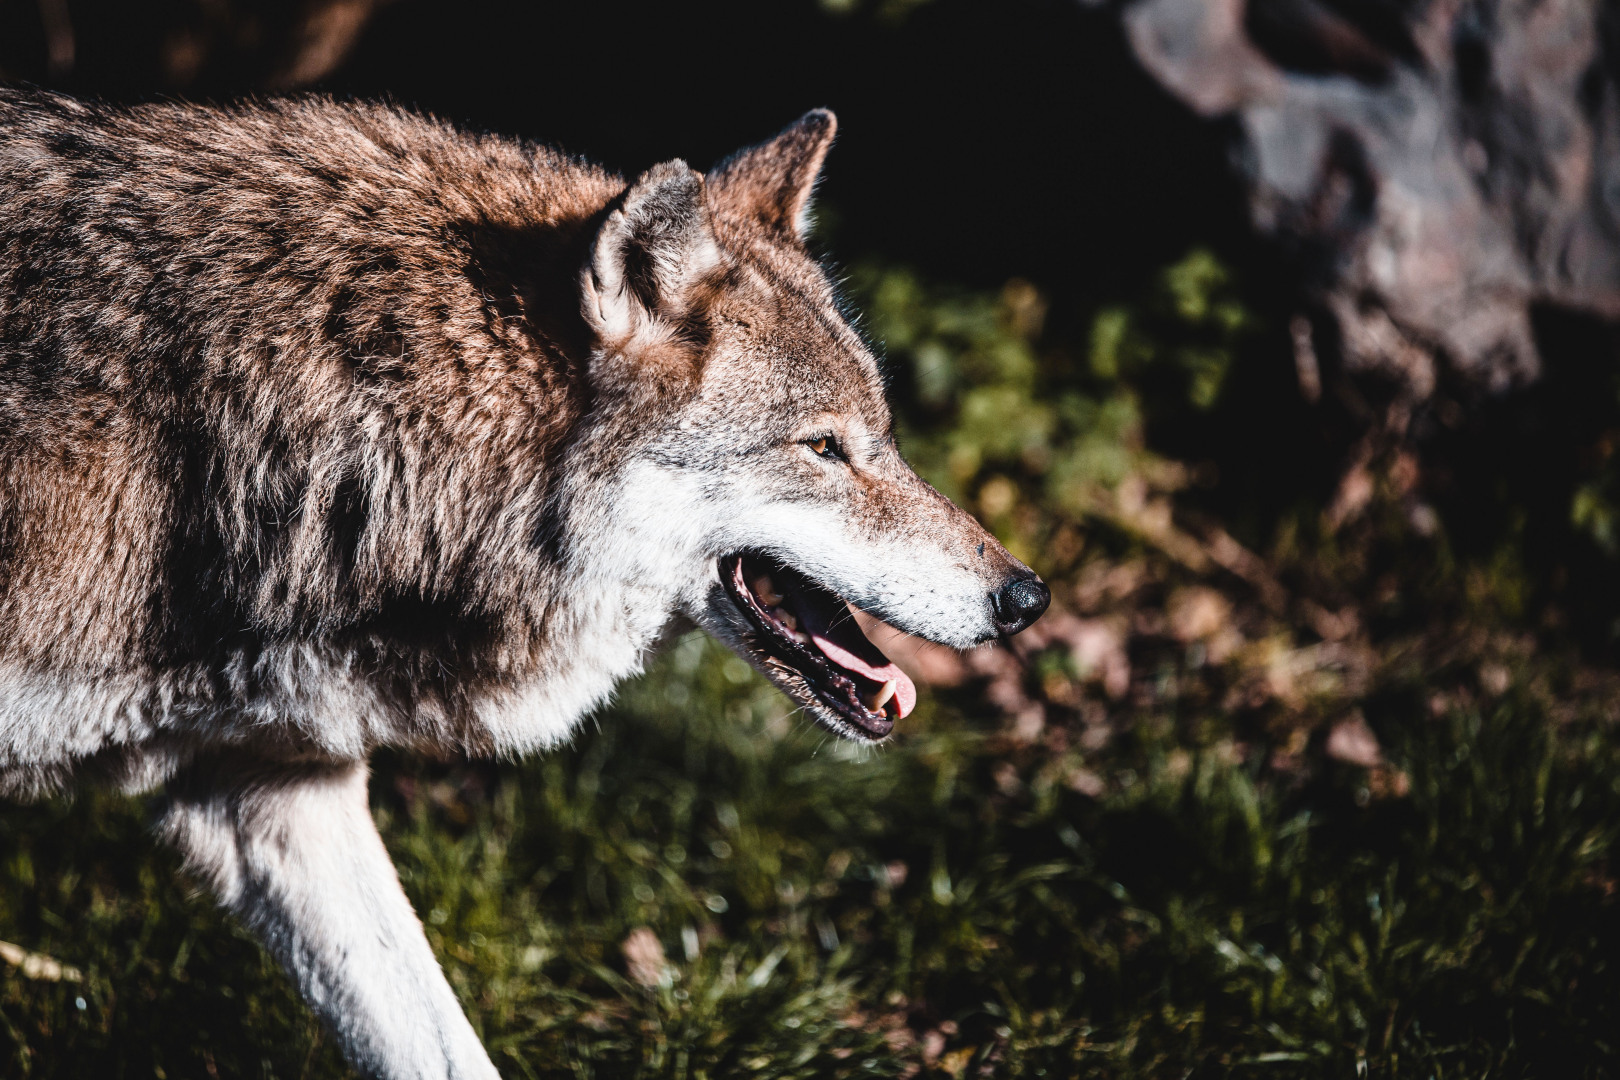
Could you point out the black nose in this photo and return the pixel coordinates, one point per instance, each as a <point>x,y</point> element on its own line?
<point>1019,603</point>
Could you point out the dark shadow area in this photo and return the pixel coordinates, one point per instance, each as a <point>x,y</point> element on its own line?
<point>1510,469</point>
<point>979,143</point>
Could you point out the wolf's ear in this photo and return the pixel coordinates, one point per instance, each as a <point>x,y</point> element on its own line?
<point>771,183</point>
<point>649,254</point>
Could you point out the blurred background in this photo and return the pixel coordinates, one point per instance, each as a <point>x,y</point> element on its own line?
<point>1278,336</point>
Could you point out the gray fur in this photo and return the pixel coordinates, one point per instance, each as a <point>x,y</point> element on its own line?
<point>328,427</point>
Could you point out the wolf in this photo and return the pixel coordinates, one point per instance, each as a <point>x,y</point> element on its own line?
<point>327,427</point>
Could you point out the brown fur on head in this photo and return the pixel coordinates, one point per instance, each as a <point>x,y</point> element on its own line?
<point>773,443</point>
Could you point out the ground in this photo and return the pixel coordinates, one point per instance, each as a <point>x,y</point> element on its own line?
<point>703,886</point>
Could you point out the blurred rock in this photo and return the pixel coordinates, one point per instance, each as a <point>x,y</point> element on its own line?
<point>1434,168</point>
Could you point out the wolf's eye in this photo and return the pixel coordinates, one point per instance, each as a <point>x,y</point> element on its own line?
<point>826,446</point>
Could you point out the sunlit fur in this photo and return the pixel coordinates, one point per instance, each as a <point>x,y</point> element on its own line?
<point>329,427</point>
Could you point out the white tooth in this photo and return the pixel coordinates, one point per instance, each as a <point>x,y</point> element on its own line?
<point>786,618</point>
<point>880,697</point>
<point>801,637</point>
<point>765,589</point>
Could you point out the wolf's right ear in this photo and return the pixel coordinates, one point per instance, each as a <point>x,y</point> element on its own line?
<point>771,183</point>
<point>648,256</point>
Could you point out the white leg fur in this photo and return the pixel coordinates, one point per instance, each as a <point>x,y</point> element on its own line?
<point>292,851</point>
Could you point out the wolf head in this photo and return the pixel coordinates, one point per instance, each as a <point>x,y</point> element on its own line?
<point>761,469</point>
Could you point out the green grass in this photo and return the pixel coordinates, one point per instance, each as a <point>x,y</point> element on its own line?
<point>946,905</point>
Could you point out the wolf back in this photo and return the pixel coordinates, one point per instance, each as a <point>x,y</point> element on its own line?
<point>285,374</point>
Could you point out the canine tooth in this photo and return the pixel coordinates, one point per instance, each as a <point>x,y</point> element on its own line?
<point>786,618</point>
<point>880,697</point>
<point>801,637</point>
<point>765,589</point>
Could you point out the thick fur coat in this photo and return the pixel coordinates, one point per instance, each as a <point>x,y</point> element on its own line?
<point>327,427</point>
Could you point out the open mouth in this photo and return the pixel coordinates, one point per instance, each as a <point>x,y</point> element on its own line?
<point>810,632</point>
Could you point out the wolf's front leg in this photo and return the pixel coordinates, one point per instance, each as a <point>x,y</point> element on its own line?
<point>293,852</point>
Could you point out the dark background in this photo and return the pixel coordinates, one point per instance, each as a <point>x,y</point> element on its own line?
<point>977,141</point>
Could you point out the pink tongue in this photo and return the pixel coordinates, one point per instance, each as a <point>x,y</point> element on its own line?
<point>848,654</point>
